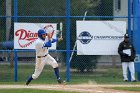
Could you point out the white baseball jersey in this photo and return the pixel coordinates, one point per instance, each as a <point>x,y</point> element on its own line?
<point>44,58</point>
<point>39,47</point>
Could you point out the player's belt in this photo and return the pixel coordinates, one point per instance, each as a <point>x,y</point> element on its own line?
<point>41,56</point>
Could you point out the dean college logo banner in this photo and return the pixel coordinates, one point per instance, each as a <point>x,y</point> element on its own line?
<point>99,37</point>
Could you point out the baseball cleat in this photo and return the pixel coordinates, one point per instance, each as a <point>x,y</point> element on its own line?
<point>126,80</point>
<point>60,81</point>
<point>134,81</point>
<point>27,83</point>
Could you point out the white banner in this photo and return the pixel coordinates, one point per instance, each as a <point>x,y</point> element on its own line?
<point>25,34</point>
<point>99,37</point>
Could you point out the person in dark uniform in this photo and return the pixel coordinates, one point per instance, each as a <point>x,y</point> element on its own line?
<point>127,54</point>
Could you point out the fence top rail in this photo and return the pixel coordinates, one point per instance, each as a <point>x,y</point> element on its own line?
<point>66,16</point>
<point>32,50</point>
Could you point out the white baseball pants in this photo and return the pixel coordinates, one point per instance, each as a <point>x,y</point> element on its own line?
<point>125,66</point>
<point>40,63</point>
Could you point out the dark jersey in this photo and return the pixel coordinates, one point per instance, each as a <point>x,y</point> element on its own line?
<point>125,57</point>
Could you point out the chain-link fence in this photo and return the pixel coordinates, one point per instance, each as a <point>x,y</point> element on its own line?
<point>67,12</point>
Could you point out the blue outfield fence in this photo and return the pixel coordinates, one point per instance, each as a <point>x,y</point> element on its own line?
<point>16,61</point>
<point>68,11</point>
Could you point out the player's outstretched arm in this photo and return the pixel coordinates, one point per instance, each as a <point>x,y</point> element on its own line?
<point>49,36</point>
<point>48,44</point>
<point>57,40</point>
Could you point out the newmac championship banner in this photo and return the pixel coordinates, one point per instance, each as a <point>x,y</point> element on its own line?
<point>99,37</point>
<point>25,34</point>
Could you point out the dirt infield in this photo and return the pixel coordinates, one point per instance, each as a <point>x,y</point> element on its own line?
<point>84,88</point>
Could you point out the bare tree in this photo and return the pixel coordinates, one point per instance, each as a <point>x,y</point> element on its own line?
<point>8,18</point>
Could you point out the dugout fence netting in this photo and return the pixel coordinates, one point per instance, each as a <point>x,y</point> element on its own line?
<point>90,69</point>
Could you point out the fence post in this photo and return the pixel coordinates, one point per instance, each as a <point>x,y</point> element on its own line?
<point>67,40</point>
<point>136,34</point>
<point>129,19</point>
<point>15,65</point>
<point>129,30</point>
<point>15,10</point>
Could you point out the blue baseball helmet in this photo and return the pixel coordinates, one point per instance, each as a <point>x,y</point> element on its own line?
<point>40,33</point>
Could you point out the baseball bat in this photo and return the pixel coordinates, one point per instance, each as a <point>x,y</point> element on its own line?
<point>61,28</point>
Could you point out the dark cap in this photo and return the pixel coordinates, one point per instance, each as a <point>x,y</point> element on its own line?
<point>126,36</point>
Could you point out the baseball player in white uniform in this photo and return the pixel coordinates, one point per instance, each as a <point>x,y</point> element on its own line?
<point>43,43</point>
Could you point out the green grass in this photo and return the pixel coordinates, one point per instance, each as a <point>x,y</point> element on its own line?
<point>106,76</point>
<point>127,88</point>
<point>102,76</point>
<point>32,91</point>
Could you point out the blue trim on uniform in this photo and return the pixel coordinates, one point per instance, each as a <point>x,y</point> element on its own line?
<point>30,78</point>
<point>54,40</point>
<point>56,70</point>
<point>48,44</point>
